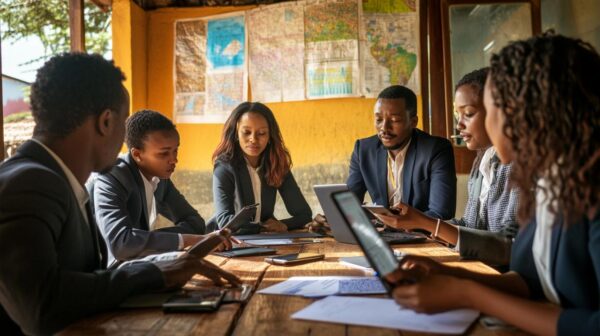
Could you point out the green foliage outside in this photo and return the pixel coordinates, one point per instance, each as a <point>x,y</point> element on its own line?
<point>16,117</point>
<point>49,21</point>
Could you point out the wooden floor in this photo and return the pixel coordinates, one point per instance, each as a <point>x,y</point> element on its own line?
<point>266,314</point>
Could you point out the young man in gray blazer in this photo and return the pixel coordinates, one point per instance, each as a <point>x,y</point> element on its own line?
<point>52,260</point>
<point>138,209</point>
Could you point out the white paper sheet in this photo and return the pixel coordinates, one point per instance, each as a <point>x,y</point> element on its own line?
<point>326,285</point>
<point>267,242</point>
<point>385,313</point>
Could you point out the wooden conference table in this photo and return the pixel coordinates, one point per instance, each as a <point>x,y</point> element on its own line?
<point>266,314</point>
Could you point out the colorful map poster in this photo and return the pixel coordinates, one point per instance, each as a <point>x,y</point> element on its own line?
<point>226,76</point>
<point>389,45</point>
<point>331,49</point>
<point>276,52</point>
<point>190,69</point>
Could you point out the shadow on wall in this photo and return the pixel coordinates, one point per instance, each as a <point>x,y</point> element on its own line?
<point>196,186</point>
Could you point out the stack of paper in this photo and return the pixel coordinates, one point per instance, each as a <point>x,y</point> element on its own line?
<point>385,313</point>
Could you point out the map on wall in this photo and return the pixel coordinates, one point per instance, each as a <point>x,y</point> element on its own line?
<point>190,68</point>
<point>276,52</point>
<point>226,75</point>
<point>331,49</point>
<point>389,45</point>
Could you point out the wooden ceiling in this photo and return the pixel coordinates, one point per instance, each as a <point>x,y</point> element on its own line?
<point>153,4</point>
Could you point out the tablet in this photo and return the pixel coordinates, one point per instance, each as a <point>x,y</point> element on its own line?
<point>206,300</point>
<point>245,215</point>
<point>206,245</point>
<point>246,251</point>
<point>378,252</point>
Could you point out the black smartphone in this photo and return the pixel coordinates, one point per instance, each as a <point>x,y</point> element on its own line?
<point>204,300</point>
<point>245,215</point>
<point>246,251</point>
<point>381,210</point>
<point>294,258</point>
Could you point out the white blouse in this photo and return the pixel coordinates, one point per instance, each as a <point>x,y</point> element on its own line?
<point>542,252</point>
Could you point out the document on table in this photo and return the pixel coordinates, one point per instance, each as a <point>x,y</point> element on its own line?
<point>326,285</point>
<point>269,242</point>
<point>385,313</point>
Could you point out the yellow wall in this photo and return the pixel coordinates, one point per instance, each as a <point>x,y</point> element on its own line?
<point>129,48</point>
<point>315,131</point>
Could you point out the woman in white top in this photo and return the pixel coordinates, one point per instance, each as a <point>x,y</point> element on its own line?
<point>543,114</point>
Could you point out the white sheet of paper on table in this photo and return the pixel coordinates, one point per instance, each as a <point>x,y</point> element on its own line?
<point>376,312</point>
<point>319,286</point>
<point>266,242</point>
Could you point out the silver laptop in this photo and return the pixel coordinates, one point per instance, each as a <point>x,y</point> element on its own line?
<point>339,229</point>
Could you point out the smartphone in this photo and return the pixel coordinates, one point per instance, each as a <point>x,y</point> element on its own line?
<point>246,251</point>
<point>245,215</point>
<point>381,210</point>
<point>204,300</point>
<point>294,258</point>
<point>238,294</point>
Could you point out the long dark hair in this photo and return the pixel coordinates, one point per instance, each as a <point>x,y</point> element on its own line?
<point>549,89</point>
<point>276,159</point>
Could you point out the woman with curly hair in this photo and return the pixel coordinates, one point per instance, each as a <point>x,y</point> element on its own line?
<point>543,114</point>
<point>252,164</point>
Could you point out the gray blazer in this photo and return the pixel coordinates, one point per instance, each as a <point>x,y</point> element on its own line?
<point>51,261</point>
<point>121,212</point>
<point>232,190</point>
<point>489,237</point>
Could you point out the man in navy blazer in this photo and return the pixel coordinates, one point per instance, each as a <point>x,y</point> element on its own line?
<point>401,163</point>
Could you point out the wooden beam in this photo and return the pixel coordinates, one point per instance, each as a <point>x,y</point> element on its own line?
<point>1,110</point>
<point>104,5</point>
<point>76,27</point>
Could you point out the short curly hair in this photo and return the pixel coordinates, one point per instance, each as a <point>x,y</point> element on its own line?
<point>401,92</point>
<point>71,87</point>
<point>143,122</point>
<point>548,88</point>
<point>475,79</point>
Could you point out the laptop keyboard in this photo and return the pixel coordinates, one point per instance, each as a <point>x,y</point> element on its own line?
<point>402,237</point>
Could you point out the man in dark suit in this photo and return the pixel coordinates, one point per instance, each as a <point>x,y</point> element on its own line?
<point>52,260</point>
<point>401,163</point>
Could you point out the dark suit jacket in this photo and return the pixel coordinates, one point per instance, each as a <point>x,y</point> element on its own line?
<point>575,267</point>
<point>429,177</point>
<point>51,270</point>
<point>232,190</point>
<point>121,212</point>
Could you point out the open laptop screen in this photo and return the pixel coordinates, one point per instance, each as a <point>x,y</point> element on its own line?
<point>377,251</point>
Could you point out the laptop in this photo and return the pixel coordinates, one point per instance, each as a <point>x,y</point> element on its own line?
<point>334,218</point>
<point>336,221</point>
<point>379,254</point>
